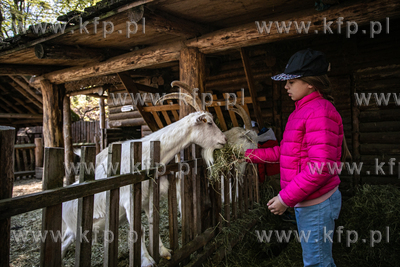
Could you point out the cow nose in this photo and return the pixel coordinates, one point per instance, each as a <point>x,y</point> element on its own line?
<point>226,139</point>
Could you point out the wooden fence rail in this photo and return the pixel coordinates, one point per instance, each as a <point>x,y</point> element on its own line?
<point>201,206</point>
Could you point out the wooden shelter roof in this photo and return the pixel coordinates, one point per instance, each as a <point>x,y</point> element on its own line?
<point>212,27</point>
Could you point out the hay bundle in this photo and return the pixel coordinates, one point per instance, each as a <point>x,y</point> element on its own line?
<point>226,160</point>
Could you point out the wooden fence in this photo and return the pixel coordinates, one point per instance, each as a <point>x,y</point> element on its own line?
<point>201,207</point>
<point>28,160</point>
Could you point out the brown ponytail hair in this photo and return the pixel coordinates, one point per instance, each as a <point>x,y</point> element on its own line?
<point>322,84</point>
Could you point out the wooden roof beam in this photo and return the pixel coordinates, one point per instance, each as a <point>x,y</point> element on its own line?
<point>230,38</point>
<point>250,84</point>
<point>27,95</point>
<point>27,88</point>
<point>132,88</point>
<point>14,69</point>
<point>133,60</point>
<point>166,23</point>
<point>21,116</point>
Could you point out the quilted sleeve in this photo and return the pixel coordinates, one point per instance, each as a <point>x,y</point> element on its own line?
<point>323,137</point>
<point>263,155</point>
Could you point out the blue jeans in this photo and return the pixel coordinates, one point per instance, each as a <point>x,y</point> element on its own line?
<point>316,222</point>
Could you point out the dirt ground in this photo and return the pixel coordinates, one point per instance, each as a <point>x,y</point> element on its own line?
<point>25,243</point>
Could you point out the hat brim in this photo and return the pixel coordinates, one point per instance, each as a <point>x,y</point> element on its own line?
<point>284,77</point>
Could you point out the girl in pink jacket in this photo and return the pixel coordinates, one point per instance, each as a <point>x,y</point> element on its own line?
<point>309,151</point>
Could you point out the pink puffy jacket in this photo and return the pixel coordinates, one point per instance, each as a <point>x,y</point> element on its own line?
<point>313,134</point>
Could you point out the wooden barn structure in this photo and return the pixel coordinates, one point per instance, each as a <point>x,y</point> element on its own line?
<point>218,47</point>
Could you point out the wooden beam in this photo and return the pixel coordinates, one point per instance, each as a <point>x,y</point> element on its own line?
<point>25,105</point>
<point>21,116</point>
<point>131,88</point>
<point>247,35</point>
<point>14,69</point>
<point>250,83</point>
<point>90,82</point>
<point>191,72</point>
<point>45,51</point>
<point>7,140</point>
<point>27,88</point>
<point>27,95</point>
<point>134,60</point>
<point>96,90</point>
<point>230,38</point>
<point>171,24</point>
<point>52,114</point>
<point>10,105</point>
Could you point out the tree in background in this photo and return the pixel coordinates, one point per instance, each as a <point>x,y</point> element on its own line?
<point>17,15</point>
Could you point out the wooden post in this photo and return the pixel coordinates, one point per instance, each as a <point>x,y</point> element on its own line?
<point>227,210</point>
<point>277,107</point>
<point>68,149</point>
<point>191,72</point>
<point>154,202</point>
<point>355,133</point>
<point>136,208</point>
<point>112,209</point>
<point>7,140</point>
<point>83,247</point>
<point>52,117</point>
<point>252,89</point>
<point>53,173</point>
<point>102,123</point>
<point>173,213</point>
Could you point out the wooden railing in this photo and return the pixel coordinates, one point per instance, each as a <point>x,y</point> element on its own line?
<point>201,206</point>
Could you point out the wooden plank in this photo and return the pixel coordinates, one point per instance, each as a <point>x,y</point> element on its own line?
<point>197,195</point>
<point>53,173</point>
<point>246,192</point>
<point>220,115</point>
<point>25,159</point>
<point>156,117</point>
<point>173,213</point>
<point>174,113</point>
<point>26,70</point>
<point>26,203</point>
<point>7,140</point>
<point>227,210</point>
<point>233,118</point>
<point>218,210</point>
<point>135,225</point>
<point>83,247</point>
<point>246,108</point>
<point>166,117</point>
<point>38,152</point>
<point>132,89</point>
<point>27,88</point>
<point>154,202</point>
<point>240,200</point>
<point>234,197</point>
<point>20,116</point>
<point>185,252</point>
<point>251,86</point>
<point>18,160</point>
<point>112,210</point>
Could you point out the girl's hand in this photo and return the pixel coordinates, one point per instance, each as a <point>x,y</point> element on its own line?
<point>276,206</point>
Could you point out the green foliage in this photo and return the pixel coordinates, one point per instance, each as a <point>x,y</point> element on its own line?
<point>18,15</point>
<point>85,108</point>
